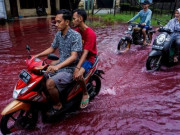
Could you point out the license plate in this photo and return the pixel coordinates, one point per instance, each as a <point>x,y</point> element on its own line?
<point>24,76</point>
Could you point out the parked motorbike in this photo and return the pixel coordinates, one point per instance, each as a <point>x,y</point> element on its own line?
<point>133,36</point>
<point>31,97</point>
<point>162,50</point>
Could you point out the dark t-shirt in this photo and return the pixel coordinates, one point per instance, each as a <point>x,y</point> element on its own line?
<point>89,43</point>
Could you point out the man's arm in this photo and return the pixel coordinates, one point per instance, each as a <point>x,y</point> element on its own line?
<point>65,63</point>
<point>170,25</point>
<point>45,53</point>
<point>69,60</point>
<point>83,58</point>
<point>135,17</point>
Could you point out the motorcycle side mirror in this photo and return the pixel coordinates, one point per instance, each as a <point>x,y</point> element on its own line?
<point>27,47</point>
<point>53,57</point>
<point>158,22</point>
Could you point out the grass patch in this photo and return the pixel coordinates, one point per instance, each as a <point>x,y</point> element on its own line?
<point>102,20</point>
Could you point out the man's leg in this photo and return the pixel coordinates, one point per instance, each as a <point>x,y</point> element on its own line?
<point>144,36</point>
<point>54,94</point>
<point>55,85</point>
<point>85,98</point>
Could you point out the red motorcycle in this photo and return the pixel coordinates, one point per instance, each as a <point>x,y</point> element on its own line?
<point>31,97</point>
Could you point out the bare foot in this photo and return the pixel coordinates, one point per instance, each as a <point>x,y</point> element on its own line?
<point>175,59</point>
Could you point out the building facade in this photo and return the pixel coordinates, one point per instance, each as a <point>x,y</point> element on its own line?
<point>23,8</point>
<point>26,8</point>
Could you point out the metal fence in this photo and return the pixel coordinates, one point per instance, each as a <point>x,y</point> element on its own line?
<point>157,7</point>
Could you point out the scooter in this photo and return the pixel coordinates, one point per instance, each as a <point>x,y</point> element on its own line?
<point>133,36</point>
<point>31,97</point>
<point>162,50</point>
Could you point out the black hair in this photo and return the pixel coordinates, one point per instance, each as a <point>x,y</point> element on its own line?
<point>67,15</point>
<point>82,13</point>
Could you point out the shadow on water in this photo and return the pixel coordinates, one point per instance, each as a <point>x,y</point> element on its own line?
<point>131,101</point>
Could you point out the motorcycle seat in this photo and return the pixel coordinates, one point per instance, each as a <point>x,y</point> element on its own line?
<point>150,28</point>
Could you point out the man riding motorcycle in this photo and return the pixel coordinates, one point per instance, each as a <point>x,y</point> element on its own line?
<point>174,26</point>
<point>145,19</point>
<point>69,44</point>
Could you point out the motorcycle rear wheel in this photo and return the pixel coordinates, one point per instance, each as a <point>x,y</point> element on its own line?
<point>153,63</point>
<point>123,46</point>
<point>94,86</point>
<point>17,121</point>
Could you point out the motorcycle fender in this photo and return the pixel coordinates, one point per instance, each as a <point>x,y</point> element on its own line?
<point>98,73</point>
<point>126,38</point>
<point>15,106</point>
<point>155,53</point>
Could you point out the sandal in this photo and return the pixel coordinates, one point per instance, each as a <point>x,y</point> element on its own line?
<point>53,112</point>
<point>83,102</point>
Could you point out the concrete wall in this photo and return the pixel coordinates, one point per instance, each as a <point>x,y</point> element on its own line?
<point>28,12</point>
<point>81,4</point>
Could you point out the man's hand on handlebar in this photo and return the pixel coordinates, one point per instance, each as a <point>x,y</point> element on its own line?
<point>52,69</point>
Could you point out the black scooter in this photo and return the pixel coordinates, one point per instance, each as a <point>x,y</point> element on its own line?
<point>133,36</point>
<point>162,50</point>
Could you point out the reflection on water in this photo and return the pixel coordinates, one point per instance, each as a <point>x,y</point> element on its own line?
<point>131,101</point>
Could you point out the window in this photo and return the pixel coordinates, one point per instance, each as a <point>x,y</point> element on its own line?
<point>29,4</point>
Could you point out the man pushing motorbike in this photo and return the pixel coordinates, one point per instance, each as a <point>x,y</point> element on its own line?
<point>174,26</point>
<point>69,44</point>
<point>145,19</point>
<point>89,51</point>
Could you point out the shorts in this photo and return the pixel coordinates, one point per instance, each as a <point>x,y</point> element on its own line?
<point>62,79</point>
<point>144,27</point>
<point>87,65</point>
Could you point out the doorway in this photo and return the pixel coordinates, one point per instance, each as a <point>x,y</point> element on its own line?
<point>14,9</point>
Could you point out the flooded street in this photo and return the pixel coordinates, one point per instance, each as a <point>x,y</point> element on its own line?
<point>131,101</point>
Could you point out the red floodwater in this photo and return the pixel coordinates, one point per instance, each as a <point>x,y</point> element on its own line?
<point>131,101</point>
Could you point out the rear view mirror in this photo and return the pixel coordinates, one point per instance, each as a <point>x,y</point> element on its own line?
<point>27,47</point>
<point>53,57</point>
<point>158,22</point>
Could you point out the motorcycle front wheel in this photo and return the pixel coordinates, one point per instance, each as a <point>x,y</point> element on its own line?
<point>94,86</point>
<point>17,121</point>
<point>153,63</point>
<point>123,46</point>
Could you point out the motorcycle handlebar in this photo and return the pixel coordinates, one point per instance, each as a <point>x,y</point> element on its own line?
<point>161,29</point>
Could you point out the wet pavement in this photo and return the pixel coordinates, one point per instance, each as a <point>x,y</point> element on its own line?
<point>131,101</point>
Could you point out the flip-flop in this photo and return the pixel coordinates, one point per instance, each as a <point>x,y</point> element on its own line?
<point>84,102</point>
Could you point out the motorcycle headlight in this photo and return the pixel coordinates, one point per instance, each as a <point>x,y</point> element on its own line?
<point>161,38</point>
<point>24,90</point>
<point>130,28</point>
<point>16,92</point>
